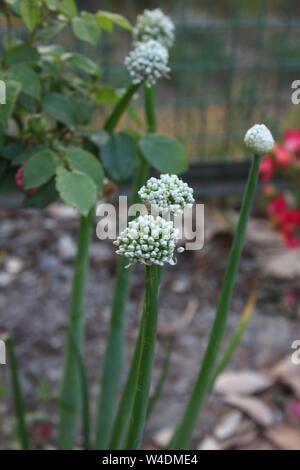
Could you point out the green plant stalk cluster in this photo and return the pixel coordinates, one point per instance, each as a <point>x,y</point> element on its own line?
<point>70,396</point>
<point>145,363</point>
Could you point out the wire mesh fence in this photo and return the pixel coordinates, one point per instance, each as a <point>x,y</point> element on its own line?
<point>233,64</point>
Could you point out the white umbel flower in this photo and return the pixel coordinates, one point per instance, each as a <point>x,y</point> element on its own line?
<point>148,240</point>
<point>147,61</point>
<point>259,140</point>
<point>154,24</point>
<point>168,193</point>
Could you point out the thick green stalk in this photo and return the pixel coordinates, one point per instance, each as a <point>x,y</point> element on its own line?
<point>144,371</point>
<point>183,433</point>
<point>113,360</point>
<point>70,398</point>
<point>120,426</point>
<point>236,337</point>
<point>149,100</point>
<point>86,421</point>
<point>17,393</point>
<point>119,109</point>
<point>161,382</point>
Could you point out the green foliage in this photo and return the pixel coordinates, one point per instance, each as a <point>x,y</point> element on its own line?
<point>165,154</point>
<point>107,20</point>
<point>86,28</point>
<point>28,79</point>
<point>51,97</point>
<point>29,10</point>
<point>119,156</point>
<point>40,168</point>
<point>61,108</point>
<point>20,54</point>
<point>84,161</point>
<point>12,92</point>
<point>77,189</point>
<point>43,197</point>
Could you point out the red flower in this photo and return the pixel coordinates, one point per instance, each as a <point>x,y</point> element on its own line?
<point>291,140</point>
<point>283,155</point>
<point>290,239</point>
<point>267,168</point>
<point>292,218</point>
<point>278,207</point>
<point>20,182</point>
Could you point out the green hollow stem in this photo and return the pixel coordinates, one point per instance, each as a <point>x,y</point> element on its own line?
<point>120,427</point>
<point>113,360</point>
<point>236,337</point>
<point>145,362</point>
<point>71,392</point>
<point>184,431</point>
<point>86,419</point>
<point>120,107</point>
<point>17,393</point>
<point>160,383</point>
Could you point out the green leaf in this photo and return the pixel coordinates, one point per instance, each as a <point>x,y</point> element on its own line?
<point>86,28</point>
<point>106,95</point>
<point>83,112</point>
<point>29,79</point>
<point>68,7</point>
<point>84,64</point>
<point>10,150</point>
<point>76,189</point>
<point>86,162</point>
<point>29,10</point>
<point>43,197</point>
<point>51,29</point>
<point>107,20</point>
<point>163,153</point>
<point>24,155</point>
<point>119,156</point>
<point>61,108</point>
<point>40,168</point>
<point>12,92</point>
<point>23,53</point>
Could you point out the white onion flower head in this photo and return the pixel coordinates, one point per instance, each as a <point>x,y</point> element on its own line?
<point>148,240</point>
<point>154,24</point>
<point>168,194</point>
<point>259,140</point>
<point>147,61</point>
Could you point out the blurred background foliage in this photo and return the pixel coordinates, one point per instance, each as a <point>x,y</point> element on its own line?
<point>233,63</point>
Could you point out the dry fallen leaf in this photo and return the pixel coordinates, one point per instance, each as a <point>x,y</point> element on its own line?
<point>244,382</point>
<point>209,443</point>
<point>255,408</point>
<point>162,438</point>
<point>284,437</point>
<point>288,373</point>
<point>285,265</point>
<point>228,425</point>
